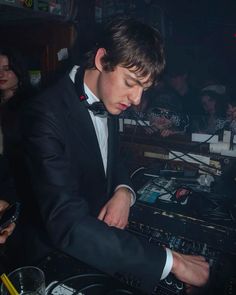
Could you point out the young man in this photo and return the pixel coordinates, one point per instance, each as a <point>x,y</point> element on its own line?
<point>81,188</point>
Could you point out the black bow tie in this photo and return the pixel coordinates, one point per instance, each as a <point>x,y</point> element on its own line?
<point>98,109</point>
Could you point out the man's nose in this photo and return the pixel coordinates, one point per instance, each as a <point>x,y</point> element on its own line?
<point>135,96</point>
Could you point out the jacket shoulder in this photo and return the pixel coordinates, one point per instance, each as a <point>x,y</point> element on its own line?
<point>55,99</point>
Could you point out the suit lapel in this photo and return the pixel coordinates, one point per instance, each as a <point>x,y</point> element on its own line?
<point>83,127</point>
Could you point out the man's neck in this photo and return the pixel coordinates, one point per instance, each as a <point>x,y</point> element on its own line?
<point>90,79</point>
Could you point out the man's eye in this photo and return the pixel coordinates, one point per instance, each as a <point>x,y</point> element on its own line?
<point>128,84</point>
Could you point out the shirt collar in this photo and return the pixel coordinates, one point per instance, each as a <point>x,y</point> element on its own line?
<point>91,96</point>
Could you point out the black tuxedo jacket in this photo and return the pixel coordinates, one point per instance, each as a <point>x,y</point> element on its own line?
<point>70,187</point>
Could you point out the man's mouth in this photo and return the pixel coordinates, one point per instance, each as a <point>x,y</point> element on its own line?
<point>123,106</point>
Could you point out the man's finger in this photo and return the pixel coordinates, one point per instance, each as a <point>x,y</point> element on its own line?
<point>102,214</point>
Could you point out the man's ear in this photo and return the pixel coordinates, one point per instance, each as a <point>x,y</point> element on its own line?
<point>98,58</point>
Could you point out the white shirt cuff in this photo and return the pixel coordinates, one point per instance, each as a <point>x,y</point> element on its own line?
<point>168,265</point>
<point>132,193</point>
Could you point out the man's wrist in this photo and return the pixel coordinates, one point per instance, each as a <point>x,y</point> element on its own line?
<point>176,262</point>
<point>130,192</point>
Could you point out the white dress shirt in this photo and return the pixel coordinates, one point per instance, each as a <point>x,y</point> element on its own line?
<point>100,126</point>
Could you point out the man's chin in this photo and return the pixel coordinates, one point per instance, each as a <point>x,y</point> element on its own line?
<point>114,112</point>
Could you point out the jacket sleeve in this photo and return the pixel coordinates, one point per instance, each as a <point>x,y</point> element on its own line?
<point>65,213</point>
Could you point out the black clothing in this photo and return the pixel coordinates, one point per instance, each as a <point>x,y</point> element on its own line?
<point>7,186</point>
<point>70,188</point>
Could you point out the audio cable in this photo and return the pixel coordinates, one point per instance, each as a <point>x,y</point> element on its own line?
<point>173,153</point>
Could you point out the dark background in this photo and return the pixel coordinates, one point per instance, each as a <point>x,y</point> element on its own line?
<point>202,33</point>
<point>199,32</point>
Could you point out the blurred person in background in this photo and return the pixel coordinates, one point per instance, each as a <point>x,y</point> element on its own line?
<point>214,107</point>
<point>231,115</point>
<point>166,113</point>
<point>15,88</point>
<point>177,78</point>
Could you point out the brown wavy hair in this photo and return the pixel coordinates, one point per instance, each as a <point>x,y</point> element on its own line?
<point>131,44</point>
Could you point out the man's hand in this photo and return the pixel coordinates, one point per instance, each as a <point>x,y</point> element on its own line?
<point>116,210</point>
<point>8,230</point>
<point>167,132</point>
<point>192,270</point>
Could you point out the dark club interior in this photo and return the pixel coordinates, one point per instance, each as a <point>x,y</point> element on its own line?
<point>118,147</point>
